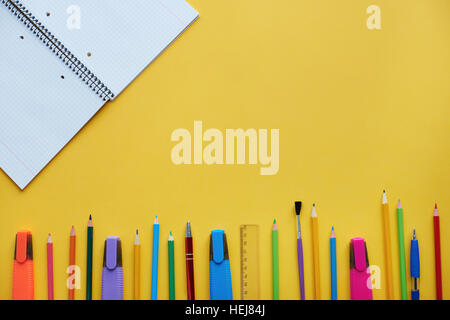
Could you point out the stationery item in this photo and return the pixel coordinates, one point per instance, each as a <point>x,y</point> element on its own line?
<point>90,240</point>
<point>112,275</point>
<point>275,262</point>
<point>171,267</point>
<point>219,267</point>
<point>250,271</point>
<point>88,52</point>
<point>360,283</point>
<point>387,248</point>
<point>137,267</point>
<point>333,265</point>
<point>401,251</point>
<point>301,273</point>
<point>50,282</point>
<point>415,267</point>
<point>315,240</point>
<point>23,273</point>
<point>155,254</point>
<point>72,263</point>
<point>437,253</point>
<point>189,248</point>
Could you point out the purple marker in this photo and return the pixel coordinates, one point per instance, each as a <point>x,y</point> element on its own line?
<point>112,276</point>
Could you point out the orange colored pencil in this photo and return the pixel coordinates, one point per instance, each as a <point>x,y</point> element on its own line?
<point>72,275</point>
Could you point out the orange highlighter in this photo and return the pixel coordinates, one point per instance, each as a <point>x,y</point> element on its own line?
<point>23,276</point>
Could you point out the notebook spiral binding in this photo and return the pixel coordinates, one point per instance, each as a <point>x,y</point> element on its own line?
<point>42,33</point>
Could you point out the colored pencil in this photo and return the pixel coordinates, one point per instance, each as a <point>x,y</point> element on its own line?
<point>333,267</point>
<point>190,286</point>
<point>50,282</point>
<point>72,264</point>
<point>137,267</point>
<point>387,248</point>
<point>275,262</point>
<point>171,244</point>
<point>301,273</point>
<point>315,239</point>
<point>155,253</point>
<point>401,251</point>
<point>437,253</point>
<point>89,251</point>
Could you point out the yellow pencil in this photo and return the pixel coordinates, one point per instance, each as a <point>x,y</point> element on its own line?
<point>387,248</point>
<point>137,267</point>
<point>315,240</point>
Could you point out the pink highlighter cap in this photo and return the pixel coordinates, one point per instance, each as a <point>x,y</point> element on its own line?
<point>360,282</point>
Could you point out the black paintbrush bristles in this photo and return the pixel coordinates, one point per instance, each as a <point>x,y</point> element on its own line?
<point>298,207</point>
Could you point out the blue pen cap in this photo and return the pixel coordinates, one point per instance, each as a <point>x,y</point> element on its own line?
<point>414,259</point>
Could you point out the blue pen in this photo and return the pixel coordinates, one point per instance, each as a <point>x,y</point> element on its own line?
<point>333,268</point>
<point>415,267</point>
<point>219,267</point>
<point>154,295</point>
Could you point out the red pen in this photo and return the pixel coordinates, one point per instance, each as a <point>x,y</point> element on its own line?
<point>189,263</point>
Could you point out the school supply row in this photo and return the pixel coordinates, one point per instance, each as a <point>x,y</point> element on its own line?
<point>220,273</point>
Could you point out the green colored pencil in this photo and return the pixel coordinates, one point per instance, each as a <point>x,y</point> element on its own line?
<point>401,251</point>
<point>90,240</point>
<point>171,268</point>
<point>275,262</point>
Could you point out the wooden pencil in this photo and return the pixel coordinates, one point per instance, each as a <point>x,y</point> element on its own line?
<point>437,253</point>
<point>137,267</point>
<point>171,254</point>
<point>50,281</point>
<point>401,251</point>
<point>387,248</point>
<point>89,252</point>
<point>72,265</point>
<point>275,262</point>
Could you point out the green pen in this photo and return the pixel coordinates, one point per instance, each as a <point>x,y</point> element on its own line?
<point>171,268</point>
<point>401,251</point>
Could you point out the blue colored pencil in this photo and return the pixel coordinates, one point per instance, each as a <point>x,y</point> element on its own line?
<point>154,295</point>
<point>333,265</point>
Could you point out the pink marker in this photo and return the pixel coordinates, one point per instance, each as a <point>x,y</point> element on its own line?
<point>360,282</point>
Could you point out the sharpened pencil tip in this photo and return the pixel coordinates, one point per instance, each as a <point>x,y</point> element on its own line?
<point>90,217</point>
<point>137,231</point>
<point>399,204</point>
<point>435,205</point>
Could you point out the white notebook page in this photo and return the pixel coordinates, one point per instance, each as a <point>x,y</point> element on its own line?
<point>39,111</point>
<point>122,36</point>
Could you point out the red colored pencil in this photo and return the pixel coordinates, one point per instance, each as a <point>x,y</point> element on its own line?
<point>50,281</point>
<point>72,274</point>
<point>437,253</point>
<point>189,264</point>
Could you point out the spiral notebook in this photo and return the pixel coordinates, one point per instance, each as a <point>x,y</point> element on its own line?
<point>62,60</point>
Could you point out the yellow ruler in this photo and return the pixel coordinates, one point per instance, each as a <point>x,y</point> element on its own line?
<point>250,286</point>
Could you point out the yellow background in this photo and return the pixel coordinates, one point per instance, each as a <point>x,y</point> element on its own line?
<point>358,111</point>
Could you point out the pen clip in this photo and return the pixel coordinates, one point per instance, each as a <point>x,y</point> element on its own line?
<point>23,246</point>
<point>217,239</point>
<point>360,260</point>
<point>111,252</point>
